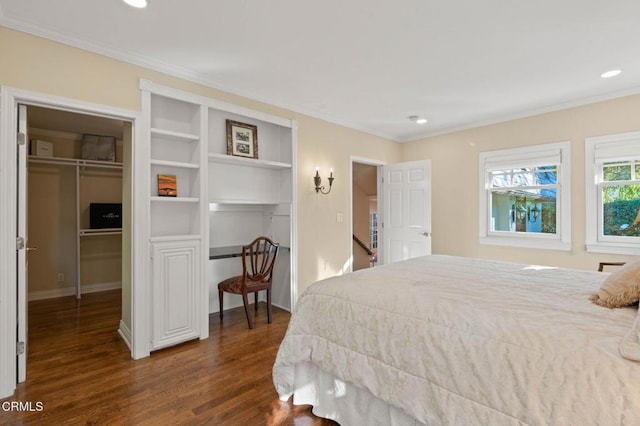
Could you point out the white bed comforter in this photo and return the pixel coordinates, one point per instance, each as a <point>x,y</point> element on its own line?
<point>463,341</point>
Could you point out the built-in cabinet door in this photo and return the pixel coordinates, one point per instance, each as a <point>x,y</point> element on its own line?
<point>176,292</point>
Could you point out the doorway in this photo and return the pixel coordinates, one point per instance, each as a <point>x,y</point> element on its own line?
<point>400,214</point>
<point>14,244</point>
<point>74,196</point>
<point>74,206</point>
<point>364,209</point>
<point>13,247</point>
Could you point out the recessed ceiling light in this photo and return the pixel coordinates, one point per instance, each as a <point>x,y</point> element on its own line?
<point>610,73</point>
<point>136,3</point>
<point>418,120</point>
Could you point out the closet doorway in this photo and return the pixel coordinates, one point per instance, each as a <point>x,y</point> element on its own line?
<point>74,211</point>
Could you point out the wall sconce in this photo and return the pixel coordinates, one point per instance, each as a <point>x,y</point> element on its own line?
<point>518,212</point>
<point>318,181</point>
<point>533,213</point>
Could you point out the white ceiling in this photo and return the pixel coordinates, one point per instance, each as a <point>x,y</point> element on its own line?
<point>368,64</point>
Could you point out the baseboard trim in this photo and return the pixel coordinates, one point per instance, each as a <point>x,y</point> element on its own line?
<point>96,288</point>
<point>125,333</point>
<point>281,307</point>
<point>70,291</point>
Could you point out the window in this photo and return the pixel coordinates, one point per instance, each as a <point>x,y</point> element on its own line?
<point>373,231</point>
<point>525,197</point>
<point>613,193</point>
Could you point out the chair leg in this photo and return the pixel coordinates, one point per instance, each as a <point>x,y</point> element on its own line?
<point>256,300</point>
<point>245,300</point>
<point>269,305</point>
<point>220,298</point>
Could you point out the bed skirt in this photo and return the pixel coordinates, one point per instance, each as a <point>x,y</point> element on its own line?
<point>343,402</point>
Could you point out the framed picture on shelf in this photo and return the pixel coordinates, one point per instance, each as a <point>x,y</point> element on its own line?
<point>242,139</point>
<point>98,147</point>
<point>167,186</point>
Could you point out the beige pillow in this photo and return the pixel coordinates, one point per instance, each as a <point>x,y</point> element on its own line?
<point>620,288</point>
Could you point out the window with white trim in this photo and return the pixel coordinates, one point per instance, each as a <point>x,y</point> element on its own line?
<point>612,166</point>
<point>525,197</point>
<point>373,231</point>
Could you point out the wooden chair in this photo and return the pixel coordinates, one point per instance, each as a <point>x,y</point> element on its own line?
<point>258,260</point>
<point>601,265</point>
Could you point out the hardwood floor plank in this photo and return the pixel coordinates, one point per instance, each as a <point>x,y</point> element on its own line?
<point>82,372</point>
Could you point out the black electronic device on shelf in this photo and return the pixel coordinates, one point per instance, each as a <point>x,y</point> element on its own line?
<point>105,215</point>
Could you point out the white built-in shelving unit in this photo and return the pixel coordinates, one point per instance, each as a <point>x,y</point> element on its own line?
<point>223,200</point>
<point>177,146</point>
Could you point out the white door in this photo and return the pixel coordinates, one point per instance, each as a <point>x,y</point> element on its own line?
<point>21,231</point>
<point>406,221</point>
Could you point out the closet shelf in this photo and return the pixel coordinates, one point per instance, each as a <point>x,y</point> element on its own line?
<point>241,161</point>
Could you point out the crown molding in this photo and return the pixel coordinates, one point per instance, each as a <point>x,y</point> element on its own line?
<point>525,113</point>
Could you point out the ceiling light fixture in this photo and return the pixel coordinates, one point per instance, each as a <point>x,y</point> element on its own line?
<point>611,73</point>
<point>136,3</point>
<point>418,120</point>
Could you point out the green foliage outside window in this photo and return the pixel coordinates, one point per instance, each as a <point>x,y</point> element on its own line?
<point>620,215</point>
<point>548,225</point>
<point>621,203</point>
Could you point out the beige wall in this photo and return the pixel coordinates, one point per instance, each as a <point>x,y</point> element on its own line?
<point>52,227</point>
<point>320,237</point>
<point>455,177</point>
<point>39,65</point>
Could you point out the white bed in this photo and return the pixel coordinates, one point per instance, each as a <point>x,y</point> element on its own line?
<point>443,340</point>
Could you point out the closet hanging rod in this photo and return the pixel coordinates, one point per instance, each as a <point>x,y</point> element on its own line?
<point>75,162</point>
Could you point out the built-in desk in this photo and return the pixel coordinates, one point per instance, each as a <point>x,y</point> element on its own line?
<point>224,252</point>
<point>228,251</point>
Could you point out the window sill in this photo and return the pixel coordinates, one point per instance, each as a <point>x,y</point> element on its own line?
<point>613,248</point>
<point>534,243</point>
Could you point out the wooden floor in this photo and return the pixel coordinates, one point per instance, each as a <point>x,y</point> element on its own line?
<point>80,371</point>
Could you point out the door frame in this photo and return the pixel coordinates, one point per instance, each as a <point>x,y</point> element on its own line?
<point>140,305</point>
<point>378,164</point>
